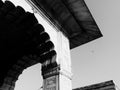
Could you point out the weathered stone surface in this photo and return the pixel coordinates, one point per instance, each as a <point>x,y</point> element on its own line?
<point>56,71</point>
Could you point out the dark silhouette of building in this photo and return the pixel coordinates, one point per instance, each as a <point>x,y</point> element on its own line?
<point>108,85</point>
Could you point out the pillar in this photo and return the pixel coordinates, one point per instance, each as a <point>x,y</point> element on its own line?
<point>58,76</point>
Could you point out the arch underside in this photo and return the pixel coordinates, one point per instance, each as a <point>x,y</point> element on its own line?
<point>16,70</point>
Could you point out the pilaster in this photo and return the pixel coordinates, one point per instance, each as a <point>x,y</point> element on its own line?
<point>58,77</point>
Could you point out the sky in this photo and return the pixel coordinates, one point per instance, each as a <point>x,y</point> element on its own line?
<point>94,62</point>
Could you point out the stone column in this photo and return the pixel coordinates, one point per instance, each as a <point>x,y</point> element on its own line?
<point>56,72</point>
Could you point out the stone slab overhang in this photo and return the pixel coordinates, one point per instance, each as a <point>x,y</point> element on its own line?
<point>72,17</point>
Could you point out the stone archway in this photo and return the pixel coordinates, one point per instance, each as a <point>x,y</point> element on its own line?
<point>15,72</point>
<point>63,59</point>
<point>30,79</point>
<point>33,40</point>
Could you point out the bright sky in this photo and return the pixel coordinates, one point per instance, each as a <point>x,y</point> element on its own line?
<point>93,62</point>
